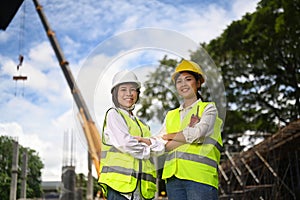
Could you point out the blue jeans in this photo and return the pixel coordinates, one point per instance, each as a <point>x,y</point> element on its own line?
<point>114,195</point>
<point>179,189</point>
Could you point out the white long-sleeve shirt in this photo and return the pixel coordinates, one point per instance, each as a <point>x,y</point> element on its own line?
<point>117,134</point>
<point>203,128</point>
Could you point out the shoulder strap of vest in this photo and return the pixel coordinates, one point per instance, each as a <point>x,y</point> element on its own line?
<point>104,123</point>
<point>203,106</point>
<point>139,121</point>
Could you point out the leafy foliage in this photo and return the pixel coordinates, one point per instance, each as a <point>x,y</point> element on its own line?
<point>259,57</point>
<point>34,167</point>
<point>159,96</point>
<point>81,182</point>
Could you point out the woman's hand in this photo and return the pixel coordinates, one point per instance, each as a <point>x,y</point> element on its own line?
<point>179,137</point>
<point>172,144</point>
<point>144,140</point>
<point>170,136</point>
<point>194,120</point>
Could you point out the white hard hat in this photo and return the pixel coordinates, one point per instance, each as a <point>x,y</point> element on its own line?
<point>125,77</point>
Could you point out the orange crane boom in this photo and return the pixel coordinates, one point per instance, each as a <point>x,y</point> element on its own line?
<point>91,132</point>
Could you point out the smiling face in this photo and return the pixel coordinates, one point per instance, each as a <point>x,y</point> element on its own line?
<point>127,95</point>
<point>187,85</point>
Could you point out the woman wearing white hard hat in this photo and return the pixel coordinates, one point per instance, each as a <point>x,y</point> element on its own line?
<point>193,132</point>
<point>127,168</point>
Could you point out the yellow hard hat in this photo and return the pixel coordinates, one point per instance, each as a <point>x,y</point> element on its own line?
<point>191,66</point>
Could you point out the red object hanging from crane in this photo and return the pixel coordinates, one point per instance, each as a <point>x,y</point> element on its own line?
<point>20,77</point>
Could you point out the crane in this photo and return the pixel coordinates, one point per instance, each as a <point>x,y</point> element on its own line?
<point>91,132</point>
<point>8,9</point>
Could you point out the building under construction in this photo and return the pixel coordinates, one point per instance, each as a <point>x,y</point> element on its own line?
<point>269,170</point>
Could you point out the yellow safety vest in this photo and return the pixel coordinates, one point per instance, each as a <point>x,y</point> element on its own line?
<point>121,171</point>
<point>197,161</point>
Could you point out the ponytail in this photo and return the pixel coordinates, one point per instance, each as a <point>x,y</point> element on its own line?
<point>199,96</point>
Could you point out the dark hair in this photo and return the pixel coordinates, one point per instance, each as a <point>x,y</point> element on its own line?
<point>114,95</point>
<point>197,76</point>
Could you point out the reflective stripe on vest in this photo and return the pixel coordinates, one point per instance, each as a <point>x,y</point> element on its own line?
<point>197,161</point>
<point>121,171</point>
<point>192,157</point>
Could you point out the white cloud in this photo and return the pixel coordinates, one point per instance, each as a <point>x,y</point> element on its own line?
<point>241,7</point>
<point>7,66</point>
<point>34,141</point>
<point>4,36</point>
<point>42,56</point>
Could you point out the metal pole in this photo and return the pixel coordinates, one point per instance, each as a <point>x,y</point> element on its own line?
<point>89,191</point>
<point>224,175</point>
<point>14,172</point>
<point>236,171</point>
<point>233,163</point>
<point>24,175</point>
<point>250,170</point>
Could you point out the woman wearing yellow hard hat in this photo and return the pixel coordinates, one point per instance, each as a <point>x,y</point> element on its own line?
<point>193,135</point>
<point>127,169</point>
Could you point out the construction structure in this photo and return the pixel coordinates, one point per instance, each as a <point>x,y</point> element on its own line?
<point>68,177</point>
<point>270,170</point>
<point>14,171</point>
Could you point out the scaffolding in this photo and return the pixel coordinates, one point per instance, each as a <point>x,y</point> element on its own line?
<point>269,170</point>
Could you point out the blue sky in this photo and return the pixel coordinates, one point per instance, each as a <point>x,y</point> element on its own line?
<point>105,35</point>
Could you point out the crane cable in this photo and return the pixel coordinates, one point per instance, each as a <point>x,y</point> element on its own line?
<point>21,35</point>
<point>20,50</point>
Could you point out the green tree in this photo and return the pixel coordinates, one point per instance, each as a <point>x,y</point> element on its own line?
<point>35,165</point>
<point>159,95</point>
<point>259,56</point>
<point>81,182</point>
